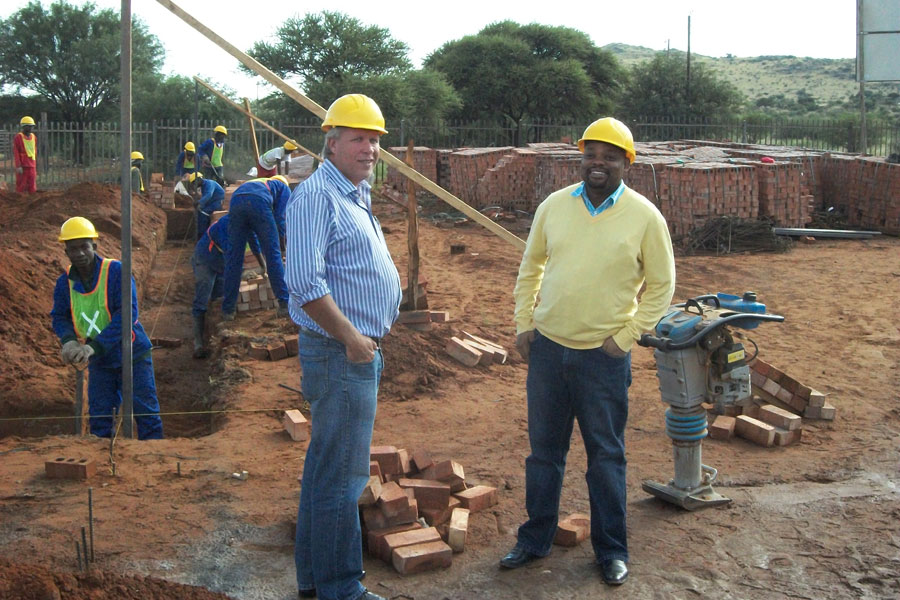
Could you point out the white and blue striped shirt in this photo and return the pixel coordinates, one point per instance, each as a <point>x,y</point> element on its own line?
<point>335,246</point>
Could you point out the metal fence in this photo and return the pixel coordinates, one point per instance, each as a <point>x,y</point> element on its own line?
<point>71,152</point>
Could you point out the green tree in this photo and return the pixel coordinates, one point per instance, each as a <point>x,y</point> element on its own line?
<point>70,55</point>
<point>536,71</point>
<point>658,88</point>
<point>172,97</point>
<point>331,47</point>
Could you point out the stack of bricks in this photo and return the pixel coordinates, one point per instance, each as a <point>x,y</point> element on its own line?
<point>510,183</point>
<point>764,425</point>
<point>415,511</point>
<point>780,197</point>
<point>424,161</point>
<point>160,194</point>
<point>468,166</point>
<point>778,388</point>
<point>875,196</point>
<point>256,294</point>
<point>648,176</point>
<point>443,168</point>
<point>472,350</point>
<point>697,192</point>
<point>275,349</point>
<point>554,170</point>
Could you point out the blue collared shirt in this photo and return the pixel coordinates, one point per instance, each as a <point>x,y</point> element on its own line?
<point>335,246</point>
<point>212,197</point>
<point>608,203</point>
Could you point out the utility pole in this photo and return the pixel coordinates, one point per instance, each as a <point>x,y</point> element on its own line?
<point>861,69</point>
<point>688,85</point>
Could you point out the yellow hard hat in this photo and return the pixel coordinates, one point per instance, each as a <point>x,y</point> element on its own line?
<point>26,121</point>
<point>195,175</point>
<point>189,147</point>
<point>290,146</point>
<point>137,155</point>
<point>221,129</point>
<point>354,110</point>
<point>281,178</point>
<point>77,228</point>
<point>612,131</point>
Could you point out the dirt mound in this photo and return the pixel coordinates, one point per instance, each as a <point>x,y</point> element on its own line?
<point>31,582</point>
<point>32,379</point>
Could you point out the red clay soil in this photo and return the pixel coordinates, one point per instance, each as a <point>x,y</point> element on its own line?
<point>32,379</point>
<point>818,519</point>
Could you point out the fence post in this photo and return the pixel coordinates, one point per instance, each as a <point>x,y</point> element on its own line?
<point>744,131</point>
<point>154,145</point>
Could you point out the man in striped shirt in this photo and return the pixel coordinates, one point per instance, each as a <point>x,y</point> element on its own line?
<point>344,294</point>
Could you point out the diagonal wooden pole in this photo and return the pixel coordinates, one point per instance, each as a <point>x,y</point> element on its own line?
<point>252,129</point>
<point>394,162</point>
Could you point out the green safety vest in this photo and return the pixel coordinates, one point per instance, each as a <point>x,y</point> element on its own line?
<point>217,154</point>
<point>90,311</point>
<point>140,177</point>
<point>29,145</point>
<point>188,164</point>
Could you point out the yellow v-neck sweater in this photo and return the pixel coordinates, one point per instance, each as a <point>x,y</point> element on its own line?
<point>580,275</point>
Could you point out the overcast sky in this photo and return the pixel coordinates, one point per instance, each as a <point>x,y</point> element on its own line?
<point>816,28</point>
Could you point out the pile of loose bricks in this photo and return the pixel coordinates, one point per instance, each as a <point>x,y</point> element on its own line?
<point>256,293</point>
<point>774,416</point>
<point>275,349</point>
<point>691,181</point>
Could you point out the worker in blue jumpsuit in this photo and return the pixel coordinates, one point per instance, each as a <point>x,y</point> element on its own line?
<point>210,153</point>
<point>87,318</point>
<point>208,196</point>
<point>186,163</point>
<point>256,206</point>
<point>208,262</point>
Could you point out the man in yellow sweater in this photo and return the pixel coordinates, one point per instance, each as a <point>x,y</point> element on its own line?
<point>592,246</point>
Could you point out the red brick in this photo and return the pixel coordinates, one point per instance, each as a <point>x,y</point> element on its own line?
<point>422,557</point>
<point>816,398</point>
<point>826,412</point>
<point>374,518</point>
<point>259,351</point>
<point>722,428</point>
<point>751,409</point>
<point>375,469</point>
<point>392,501</point>
<point>771,387</point>
<point>374,535</point>
<point>276,350</point>
<point>448,471</point>
<point>70,468</point>
<point>387,544</point>
<point>439,316</point>
<point>372,491</point>
<point>458,529</point>
<point>388,458</point>
<point>421,460</point>
<point>478,498</point>
<point>487,352</point>
<point>292,344</point>
<point>757,379</point>
<point>779,417</point>
<point>755,431</point>
<point>761,367</point>
<point>405,467</point>
<point>570,534</point>
<point>500,353</point>
<point>463,353</point>
<point>414,316</point>
<point>296,425</point>
<point>429,493</point>
<point>803,391</point>
<point>783,437</point>
<point>436,516</point>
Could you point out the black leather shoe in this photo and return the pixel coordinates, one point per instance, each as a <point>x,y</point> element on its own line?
<point>517,557</point>
<point>614,571</point>
<point>370,596</point>
<point>312,593</point>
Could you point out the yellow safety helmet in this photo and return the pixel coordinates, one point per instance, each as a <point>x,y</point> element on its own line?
<point>354,110</point>
<point>612,131</point>
<point>137,155</point>
<point>26,121</point>
<point>189,147</point>
<point>281,178</point>
<point>77,228</point>
<point>290,146</point>
<point>221,129</point>
<point>195,175</point>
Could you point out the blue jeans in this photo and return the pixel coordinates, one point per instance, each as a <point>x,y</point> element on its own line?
<point>564,384</point>
<point>248,213</point>
<point>207,286</point>
<point>105,397</point>
<point>342,398</point>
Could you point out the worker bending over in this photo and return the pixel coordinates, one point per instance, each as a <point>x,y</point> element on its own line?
<point>208,196</point>
<point>256,207</point>
<point>87,318</point>
<point>267,164</point>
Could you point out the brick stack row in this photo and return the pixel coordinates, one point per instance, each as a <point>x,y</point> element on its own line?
<point>779,194</point>
<point>875,196</point>
<point>468,166</point>
<point>510,183</point>
<point>159,193</point>
<point>424,161</point>
<point>697,192</point>
<point>555,169</point>
<point>256,294</point>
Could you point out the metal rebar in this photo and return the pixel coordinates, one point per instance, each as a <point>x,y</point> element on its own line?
<point>78,553</point>
<point>84,543</point>
<point>178,464</point>
<point>91,518</point>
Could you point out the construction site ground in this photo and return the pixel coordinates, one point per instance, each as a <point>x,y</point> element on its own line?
<point>814,520</point>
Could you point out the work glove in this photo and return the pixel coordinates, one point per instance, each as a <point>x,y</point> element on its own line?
<point>83,354</point>
<point>69,350</point>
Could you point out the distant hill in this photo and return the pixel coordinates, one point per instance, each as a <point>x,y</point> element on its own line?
<point>830,81</point>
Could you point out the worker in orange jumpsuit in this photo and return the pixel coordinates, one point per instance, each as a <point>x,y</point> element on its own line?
<point>24,153</point>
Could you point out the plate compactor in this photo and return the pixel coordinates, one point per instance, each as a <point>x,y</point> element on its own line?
<point>698,361</point>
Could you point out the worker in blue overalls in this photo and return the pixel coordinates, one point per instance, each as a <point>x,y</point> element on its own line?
<point>256,206</point>
<point>208,262</point>
<point>208,196</point>
<point>87,318</point>
<point>210,153</point>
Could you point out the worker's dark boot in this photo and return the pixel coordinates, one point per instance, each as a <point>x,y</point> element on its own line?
<point>199,330</point>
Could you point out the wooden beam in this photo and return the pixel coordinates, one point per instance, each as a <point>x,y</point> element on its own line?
<point>252,129</point>
<point>392,161</point>
<point>412,232</point>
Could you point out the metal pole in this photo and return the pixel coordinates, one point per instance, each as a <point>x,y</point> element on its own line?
<point>861,72</point>
<point>126,312</point>
<point>79,401</point>
<point>91,518</point>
